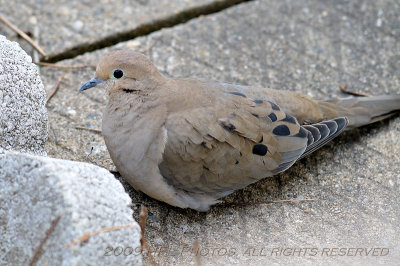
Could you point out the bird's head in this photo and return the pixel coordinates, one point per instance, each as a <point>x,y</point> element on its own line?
<point>124,71</point>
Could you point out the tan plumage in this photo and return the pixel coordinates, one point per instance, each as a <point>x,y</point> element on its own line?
<point>189,142</point>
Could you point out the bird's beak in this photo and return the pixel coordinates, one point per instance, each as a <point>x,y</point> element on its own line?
<point>90,84</point>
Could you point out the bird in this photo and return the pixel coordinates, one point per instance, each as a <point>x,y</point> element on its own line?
<point>190,142</point>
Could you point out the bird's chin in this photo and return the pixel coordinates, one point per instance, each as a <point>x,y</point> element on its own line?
<point>111,88</point>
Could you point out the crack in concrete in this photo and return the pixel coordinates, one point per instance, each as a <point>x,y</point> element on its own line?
<point>144,29</point>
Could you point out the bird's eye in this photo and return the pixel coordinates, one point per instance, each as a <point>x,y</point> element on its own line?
<point>117,73</point>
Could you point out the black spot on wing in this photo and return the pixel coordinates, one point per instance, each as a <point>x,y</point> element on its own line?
<point>260,149</point>
<point>290,119</point>
<point>229,127</point>
<point>237,93</point>
<point>281,130</point>
<point>258,101</point>
<point>255,115</point>
<point>274,106</point>
<point>129,90</point>
<point>226,124</point>
<point>273,117</point>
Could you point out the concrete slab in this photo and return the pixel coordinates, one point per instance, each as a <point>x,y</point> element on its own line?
<point>307,46</point>
<point>66,28</point>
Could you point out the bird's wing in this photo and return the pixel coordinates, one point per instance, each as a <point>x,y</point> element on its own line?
<point>238,141</point>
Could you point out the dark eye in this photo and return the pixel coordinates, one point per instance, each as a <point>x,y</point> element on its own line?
<point>118,73</point>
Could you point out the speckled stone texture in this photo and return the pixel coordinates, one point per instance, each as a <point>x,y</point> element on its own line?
<point>60,25</point>
<point>311,47</point>
<point>308,46</point>
<point>23,115</point>
<point>36,191</point>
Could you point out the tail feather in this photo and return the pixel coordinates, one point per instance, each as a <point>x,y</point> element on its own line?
<point>323,132</point>
<point>365,110</point>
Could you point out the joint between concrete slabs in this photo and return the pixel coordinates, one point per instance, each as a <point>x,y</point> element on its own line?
<point>145,29</point>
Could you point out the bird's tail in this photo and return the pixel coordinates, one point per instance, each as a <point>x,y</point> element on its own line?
<point>363,110</point>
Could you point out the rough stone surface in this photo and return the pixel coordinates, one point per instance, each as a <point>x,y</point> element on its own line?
<point>306,46</point>
<point>35,191</point>
<point>23,115</point>
<point>61,25</point>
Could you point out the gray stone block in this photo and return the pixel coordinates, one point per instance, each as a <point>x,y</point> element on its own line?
<point>36,191</point>
<point>23,114</point>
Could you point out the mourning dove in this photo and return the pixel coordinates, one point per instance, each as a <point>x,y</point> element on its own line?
<point>189,142</point>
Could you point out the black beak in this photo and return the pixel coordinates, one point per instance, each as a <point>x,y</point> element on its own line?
<point>90,84</point>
